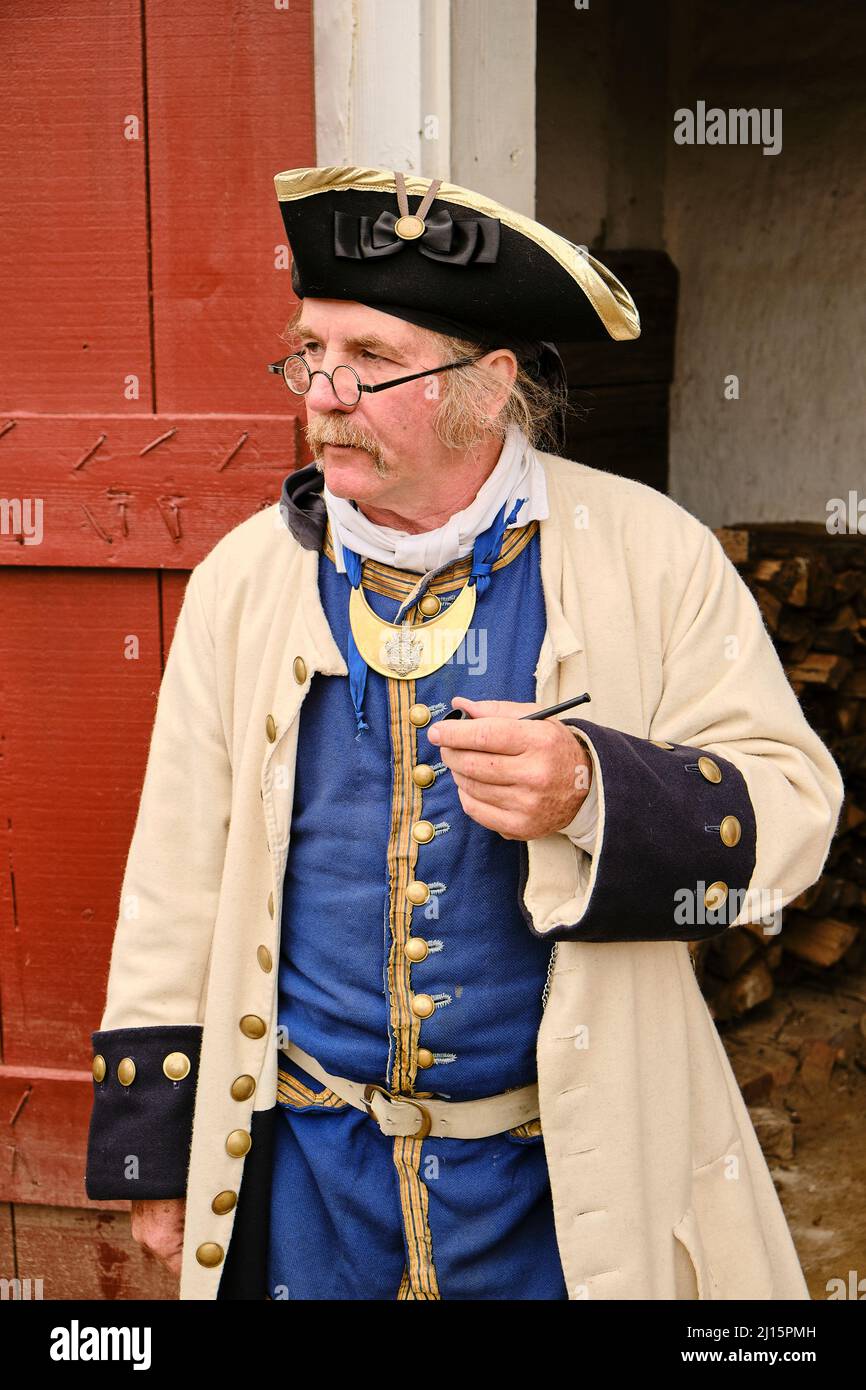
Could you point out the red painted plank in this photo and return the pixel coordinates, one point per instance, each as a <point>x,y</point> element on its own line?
<point>121,509</point>
<point>231,102</point>
<point>87,1254</point>
<point>73,208</point>
<point>82,667</point>
<point>43,1124</point>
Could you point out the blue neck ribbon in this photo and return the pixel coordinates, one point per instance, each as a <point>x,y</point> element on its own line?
<point>485,553</point>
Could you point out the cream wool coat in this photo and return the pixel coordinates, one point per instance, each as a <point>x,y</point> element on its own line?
<point>659,1186</point>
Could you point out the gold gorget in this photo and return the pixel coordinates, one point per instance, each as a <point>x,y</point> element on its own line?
<point>407,650</point>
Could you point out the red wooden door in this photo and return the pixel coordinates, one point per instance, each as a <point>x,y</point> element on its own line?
<point>145,281</point>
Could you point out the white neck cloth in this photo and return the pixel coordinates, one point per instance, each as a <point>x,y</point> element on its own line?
<point>518,473</point>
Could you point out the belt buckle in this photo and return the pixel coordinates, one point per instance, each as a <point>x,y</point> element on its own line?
<point>426,1119</point>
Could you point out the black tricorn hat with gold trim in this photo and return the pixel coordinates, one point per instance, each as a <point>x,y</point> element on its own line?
<point>446,258</point>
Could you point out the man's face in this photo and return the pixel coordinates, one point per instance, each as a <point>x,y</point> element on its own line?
<point>380,450</point>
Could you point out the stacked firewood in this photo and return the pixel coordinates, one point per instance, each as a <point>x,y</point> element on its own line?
<point>811,588</point>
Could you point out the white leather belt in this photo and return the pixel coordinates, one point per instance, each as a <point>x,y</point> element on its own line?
<point>405,1115</point>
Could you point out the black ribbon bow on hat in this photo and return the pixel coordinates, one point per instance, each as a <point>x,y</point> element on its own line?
<point>463,241</point>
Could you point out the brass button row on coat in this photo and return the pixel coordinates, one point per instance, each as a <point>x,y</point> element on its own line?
<point>175,1066</point>
<point>238,1143</point>
<point>417,892</point>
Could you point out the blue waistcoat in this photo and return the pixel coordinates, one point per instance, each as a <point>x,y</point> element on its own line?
<point>356,1214</point>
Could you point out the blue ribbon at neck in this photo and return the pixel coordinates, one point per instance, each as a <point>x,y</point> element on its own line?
<point>485,553</point>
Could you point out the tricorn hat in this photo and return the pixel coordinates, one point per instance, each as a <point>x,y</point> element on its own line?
<point>455,259</point>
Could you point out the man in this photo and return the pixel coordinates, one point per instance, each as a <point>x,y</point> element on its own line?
<point>400,1005</point>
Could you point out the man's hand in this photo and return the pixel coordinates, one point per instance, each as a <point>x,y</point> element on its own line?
<point>520,777</point>
<point>158,1226</point>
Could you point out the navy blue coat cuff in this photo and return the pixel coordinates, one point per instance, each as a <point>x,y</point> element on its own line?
<point>141,1124</point>
<point>677,847</point>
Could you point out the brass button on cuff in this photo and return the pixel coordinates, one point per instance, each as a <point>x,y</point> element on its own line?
<point>416,948</point>
<point>730,831</point>
<point>224,1202</point>
<point>709,769</point>
<point>299,669</point>
<point>425,1058</point>
<point>661,743</point>
<point>265,959</point>
<point>422,1005</point>
<point>242,1087</point>
<point>98,1068</point>
<point>176,1066</point>
<point>126,1071</point>
<point>270,728</point>
<point>715,896</point>
<point>252,1026</point>
<point>430,605</point>
<point>417,892</point>
<point>210,1254</point>
<point>419,715</point>
<point>423,775</point>
<point>423,831</point>
<point>238,1143</point>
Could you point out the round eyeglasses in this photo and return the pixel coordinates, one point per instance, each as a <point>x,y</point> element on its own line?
<point>346,383</point>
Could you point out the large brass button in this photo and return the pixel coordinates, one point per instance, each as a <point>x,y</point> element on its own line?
<point>422,1005</point>
<point>176,1066</point>
<point>419,715</point>
<point>423,831</point>
<point>210,1254</point>
<point>270,728</point>
<point>416,948</point>
<point>265,959</point>
<point>430,605</point>
<point>661,743</point>
<point>243,1087</point>
<point>730,831</point>
<point>126,1071</point>
<point>425,1057</point>
<point>98,1068</point>
<point>417,892</point>
<point>252,1026</point>
<point>270,904</point>
<point>709,769</point>
<point>224,1202</point>
<point>715,896</point>
<point>238,1143</point>
<point>423,775</point>
<point>299,668</point>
